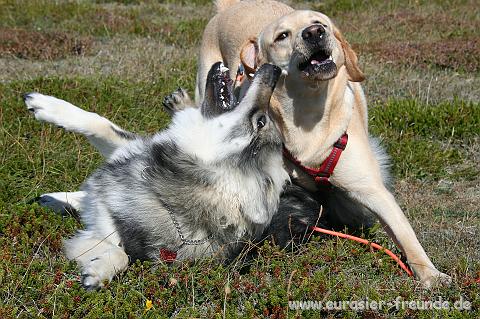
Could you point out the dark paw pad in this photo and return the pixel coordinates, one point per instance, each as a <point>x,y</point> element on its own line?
<point>176,101</point>
<point>89,282</point>
<point>26,96</point>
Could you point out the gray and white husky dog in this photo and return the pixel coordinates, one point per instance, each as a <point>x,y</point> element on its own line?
<point>202,186</point>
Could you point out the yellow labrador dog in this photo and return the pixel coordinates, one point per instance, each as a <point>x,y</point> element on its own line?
<point>317,102</point>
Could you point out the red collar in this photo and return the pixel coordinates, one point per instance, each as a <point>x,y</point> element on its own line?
<point>322,174</point>
<point>167,256</point>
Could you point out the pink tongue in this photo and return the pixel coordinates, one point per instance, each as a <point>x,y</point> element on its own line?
<point>314,62</point>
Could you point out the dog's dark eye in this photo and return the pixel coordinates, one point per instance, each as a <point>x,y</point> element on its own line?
<point>261,121</point>
<point>282,36</point>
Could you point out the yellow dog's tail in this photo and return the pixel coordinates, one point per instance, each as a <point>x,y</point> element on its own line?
<point>222,5</point>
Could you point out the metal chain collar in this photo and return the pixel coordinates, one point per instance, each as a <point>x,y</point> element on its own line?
<point>189,242</point>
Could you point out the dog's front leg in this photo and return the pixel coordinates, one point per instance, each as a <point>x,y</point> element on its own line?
<point>359,174</point>
<point>105,136</point>
<point>380,201</point>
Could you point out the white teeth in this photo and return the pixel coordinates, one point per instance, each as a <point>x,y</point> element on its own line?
<point>330,58</point>
<point>223,83</point>
<point>223,68</point>
<point>221,90</point>
<point>224,104</point>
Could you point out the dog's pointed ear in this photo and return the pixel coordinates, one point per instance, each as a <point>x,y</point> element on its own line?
<point>249,56</point>
<point>351,60</point>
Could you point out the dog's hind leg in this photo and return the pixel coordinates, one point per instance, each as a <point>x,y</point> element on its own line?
<point>105,136</point>
<point>99,258</point>
<point>177,101</point>
<point>62,201</point>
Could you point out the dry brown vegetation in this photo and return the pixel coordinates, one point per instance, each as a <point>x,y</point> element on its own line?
<point>37,45</point>
<point>454,54</point>
<point>442,39</point>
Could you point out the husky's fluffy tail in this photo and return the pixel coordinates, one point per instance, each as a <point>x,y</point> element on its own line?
<point>222,5</point>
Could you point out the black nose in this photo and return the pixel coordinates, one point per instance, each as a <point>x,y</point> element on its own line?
<point>313,33</point>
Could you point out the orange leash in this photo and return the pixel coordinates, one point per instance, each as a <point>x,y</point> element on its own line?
<point>366,242</point>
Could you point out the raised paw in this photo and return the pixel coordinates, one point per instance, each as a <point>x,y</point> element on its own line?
<point>55,111</point>
<point>45,108</point>
<point>177,101</point>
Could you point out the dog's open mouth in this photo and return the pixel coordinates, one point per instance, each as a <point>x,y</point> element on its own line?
<point>219,97</point>
<point>223,89</point>
<point>319,66</point>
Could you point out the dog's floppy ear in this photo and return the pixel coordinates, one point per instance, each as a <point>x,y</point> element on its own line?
<point>249,56</point>
<point>351,60</point>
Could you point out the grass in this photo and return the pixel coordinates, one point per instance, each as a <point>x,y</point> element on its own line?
<point>426,113</point>
<point>427,141</point>
<point>150,19</point>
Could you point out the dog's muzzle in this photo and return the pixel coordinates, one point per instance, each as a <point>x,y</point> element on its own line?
<point>313,34</point>
<point>317,64</point>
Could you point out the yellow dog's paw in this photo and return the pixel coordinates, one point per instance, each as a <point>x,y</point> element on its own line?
<point>435,280</point>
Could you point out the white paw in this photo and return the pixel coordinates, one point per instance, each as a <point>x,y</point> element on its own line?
<point>102,267</point>
<point>62,201</point>
<point>52,110</point>
<point>95,273</point>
